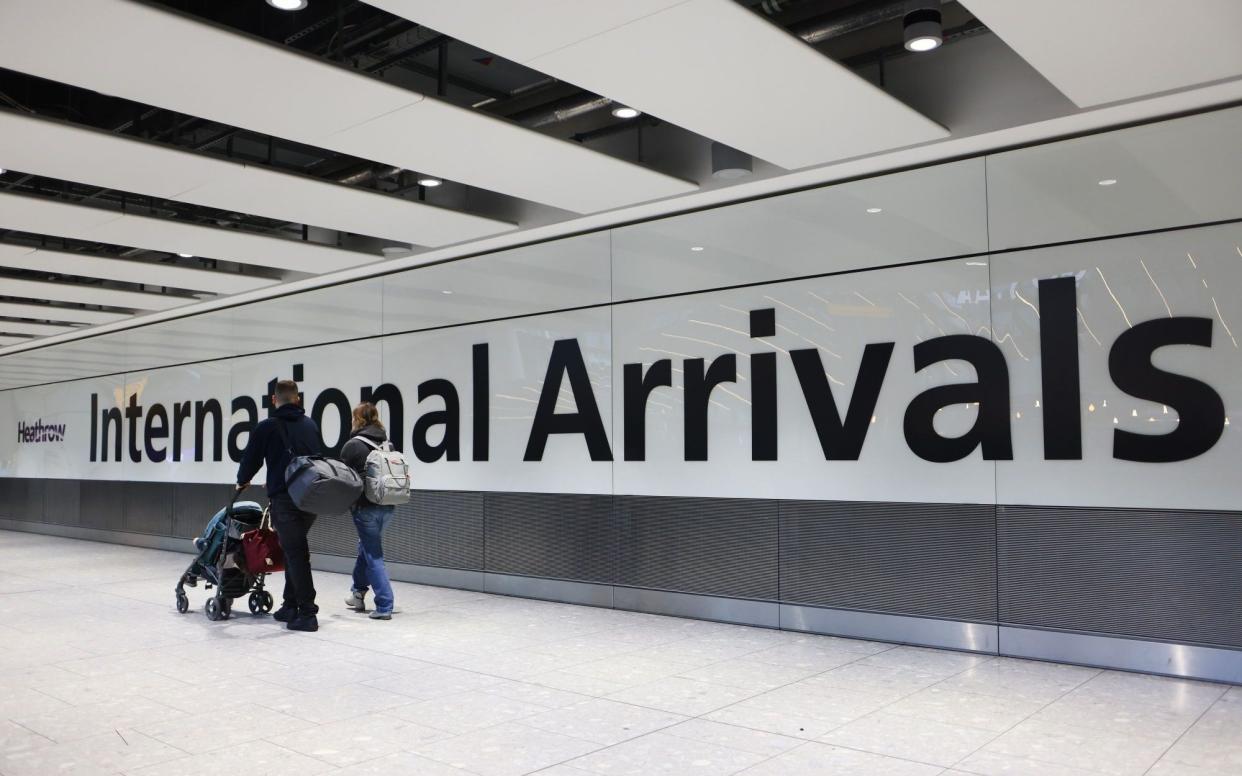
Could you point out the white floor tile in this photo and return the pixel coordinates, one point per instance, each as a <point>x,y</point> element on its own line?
<point>603,721</point>
<point>910,738</point>
<point>814,759</point>
<point>359,739</point>
<point>663,754</point>
<point>466,711</point>
<point>506,750</point>
<point>734,737</point>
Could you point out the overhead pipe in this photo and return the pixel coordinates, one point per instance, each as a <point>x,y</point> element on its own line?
<point>562,110</point>
<point>838,23</point>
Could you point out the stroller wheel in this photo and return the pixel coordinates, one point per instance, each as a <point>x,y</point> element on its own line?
<point>268,602</point>
<point>226,607</point>
<point>183,603</point>
<point>212,609</point>
<point>256,606</point>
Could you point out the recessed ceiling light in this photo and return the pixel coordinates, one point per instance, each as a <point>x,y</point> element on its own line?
<point>623,112</point>
<point>1108,181</point>
<point>396,251</point>
<point>875,210</point>
<point>3,171</point>
<point>696,248</point>
<point>923,30</point>
<point>429,181</point>
<point>446,291</point>
<point>186,255</point>
<point>287,5</point>
<point>730,163</point>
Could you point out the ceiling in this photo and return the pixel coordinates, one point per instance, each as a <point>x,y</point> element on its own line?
<point>162,154</point>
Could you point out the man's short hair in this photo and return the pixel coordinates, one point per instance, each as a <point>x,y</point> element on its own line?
<point>286,391</point>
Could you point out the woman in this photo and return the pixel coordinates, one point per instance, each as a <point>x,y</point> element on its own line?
<point>370,519</point>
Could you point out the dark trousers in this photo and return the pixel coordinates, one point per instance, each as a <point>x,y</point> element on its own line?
<point>292,526</point>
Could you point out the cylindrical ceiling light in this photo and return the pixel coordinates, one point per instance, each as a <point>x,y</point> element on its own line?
<point>287,5</point>
<point>729,163</point>
<point>923,28</point>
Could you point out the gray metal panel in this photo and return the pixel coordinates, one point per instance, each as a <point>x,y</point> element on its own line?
<point>103,504</point>
<point>716,546</point>
<point>1160,575</point>
<point>765,614</point>
<point>21,498</point>
<point>922,631</point>
<point>1153,657</point>
<point>932,560</point>
<point>62,502</point>
<point>148,508</point>
<point>99,535</point>
<point>549,589</point>
<point>334,535</point>
<point>406,572</point>
<point>556,535</point>
<point>438,528</point>
<point>196,503</point>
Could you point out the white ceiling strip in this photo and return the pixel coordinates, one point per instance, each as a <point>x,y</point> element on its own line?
<point>84,294</point>
<point>1109,50</point>
<point>34,329</point>
<point>62,219</point>
<point>711,66</point>
<point>110,46</point>
<point>106,268</point>
<point>42,312</point>
<point>58,150</point>
<point>6,340</point>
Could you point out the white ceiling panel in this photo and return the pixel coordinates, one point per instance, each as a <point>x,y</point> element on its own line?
<point>504,157</point>
<point>58,150</point>
<point>1108,50</point>
<point>34,329</point>
<point>61,219</point>
<point>42,312</point>
<point>106,268</point>
<point>7,340</point>
<point>83,294</point>
<point>781,100</point>
<point>544,26</point>
<point>109,46</point>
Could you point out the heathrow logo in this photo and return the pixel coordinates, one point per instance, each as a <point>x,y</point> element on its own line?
<point>31,433</point>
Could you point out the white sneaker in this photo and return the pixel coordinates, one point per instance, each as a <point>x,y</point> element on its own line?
<point>357,601</point>
<point>378,615</point>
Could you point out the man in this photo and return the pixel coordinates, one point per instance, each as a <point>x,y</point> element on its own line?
<point>274,442</point>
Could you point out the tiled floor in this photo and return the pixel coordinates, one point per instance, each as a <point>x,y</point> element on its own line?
<point>99,675</point>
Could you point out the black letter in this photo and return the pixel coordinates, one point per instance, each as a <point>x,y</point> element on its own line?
<point>1200,411</point>
<point>109,415</point>
<point>201,410</point>
<point>244,427</point>
<point>638,388</point>
<point>156,431</point>
<point>181,411</point>
<point>94,423</point>
<point>341,402</point>
<point>449,417</point>
<point>1058,356</point>
<point>396,416</point>
<point>698,393</point>
<point>566,360</point>
<point>991,429</point>
<point>842,441</point>
<point>482,409</point>
<point>132,413</point>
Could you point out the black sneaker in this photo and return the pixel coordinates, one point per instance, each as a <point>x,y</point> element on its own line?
<point>308,623</point>
<point>285,614</point>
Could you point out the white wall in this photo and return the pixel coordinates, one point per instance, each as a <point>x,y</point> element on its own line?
<point>637,294</point>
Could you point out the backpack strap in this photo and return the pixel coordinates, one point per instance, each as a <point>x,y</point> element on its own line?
<point>386,447</point>
<point>284,434</point>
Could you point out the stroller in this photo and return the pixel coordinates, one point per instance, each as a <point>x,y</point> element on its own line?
<point>221,563</point>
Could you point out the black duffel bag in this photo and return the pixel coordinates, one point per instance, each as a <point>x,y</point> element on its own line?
<point>319,484</point>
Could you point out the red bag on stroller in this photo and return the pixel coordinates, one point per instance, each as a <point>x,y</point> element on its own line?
<point>261,547</point>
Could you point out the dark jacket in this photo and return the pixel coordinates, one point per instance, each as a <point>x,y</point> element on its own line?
<point>354,452</point>
<point>267,446</point>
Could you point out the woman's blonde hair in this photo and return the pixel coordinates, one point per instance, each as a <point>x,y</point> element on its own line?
<point>365,414</point>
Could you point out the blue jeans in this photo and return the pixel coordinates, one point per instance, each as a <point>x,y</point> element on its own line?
<point>369,569</point>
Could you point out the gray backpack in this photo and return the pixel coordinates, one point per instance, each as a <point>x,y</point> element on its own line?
<point>318,484</point>
<point>387,480</point>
